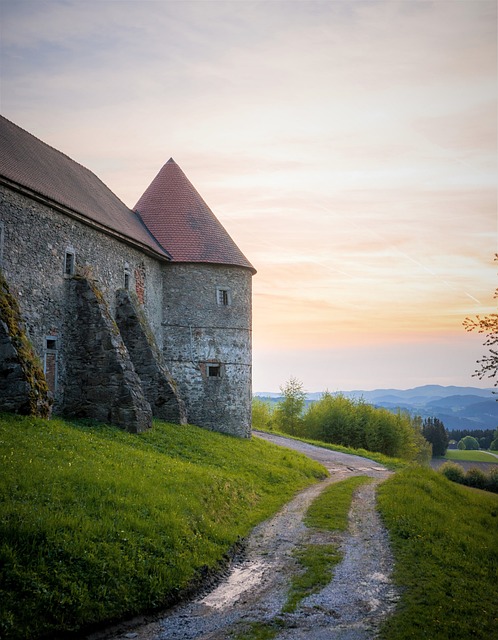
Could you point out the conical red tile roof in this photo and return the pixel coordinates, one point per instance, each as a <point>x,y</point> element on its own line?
<point>182,222</point>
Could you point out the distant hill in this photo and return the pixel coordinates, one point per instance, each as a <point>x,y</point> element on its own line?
<point>456,407</point>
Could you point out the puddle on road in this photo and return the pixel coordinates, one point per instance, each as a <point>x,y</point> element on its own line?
<point>240,580</point>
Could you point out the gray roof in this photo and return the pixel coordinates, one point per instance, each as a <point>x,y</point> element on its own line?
<point>29,163</point>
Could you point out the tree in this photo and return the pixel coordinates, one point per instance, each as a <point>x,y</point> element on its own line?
<point>434,432</point>
<point>288,412</point>
<point>468,443</point>
<point>261,414</point>
<point>488,366</point>
<point>494,445</point>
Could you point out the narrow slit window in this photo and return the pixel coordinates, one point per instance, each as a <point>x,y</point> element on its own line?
<point>50,362</point>
<point>126,277</point>
<point>223,296</point>
<point>69,263</point>
<point>1,243</point>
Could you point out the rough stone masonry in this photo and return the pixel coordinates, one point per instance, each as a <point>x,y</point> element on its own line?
<point>130,313</point>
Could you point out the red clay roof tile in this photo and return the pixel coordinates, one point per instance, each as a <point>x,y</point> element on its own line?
<point>183,223</point>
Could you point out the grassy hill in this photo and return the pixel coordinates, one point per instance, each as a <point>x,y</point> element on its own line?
<point>98,524</point>
<point>444,542</point>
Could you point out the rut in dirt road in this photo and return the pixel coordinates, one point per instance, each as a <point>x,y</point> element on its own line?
<point>350,607</point>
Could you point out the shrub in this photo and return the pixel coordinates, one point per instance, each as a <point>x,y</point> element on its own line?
<point>469,443</point>
<point>493,480</point>
<point>354,423</point>
<point>494,445</point>
<point>262,413</point>
<point>453,472</point>
<point>331,420</point>
<point>476,478</point>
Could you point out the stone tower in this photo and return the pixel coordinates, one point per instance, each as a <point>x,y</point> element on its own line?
<point>129,314</point>
<point>206,321</point>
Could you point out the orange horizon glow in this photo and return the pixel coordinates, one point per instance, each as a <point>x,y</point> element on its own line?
<point>349,148</point>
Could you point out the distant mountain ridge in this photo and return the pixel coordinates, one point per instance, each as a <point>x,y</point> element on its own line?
<point>456,407</point>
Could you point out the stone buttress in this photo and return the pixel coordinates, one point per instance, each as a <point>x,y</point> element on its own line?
<point>102,383</point>
<point>158,385</point>
<point>77,260</point>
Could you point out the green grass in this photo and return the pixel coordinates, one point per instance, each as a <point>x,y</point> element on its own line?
<point>471,456</point>
<point>386,461</point>
<point>97,524</point>
<point>444,541</point>
<point>260,630</point>
<point>317,562</point>
<point>329,512</point>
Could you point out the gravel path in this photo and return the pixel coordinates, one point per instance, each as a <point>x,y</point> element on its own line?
<point>350,607</point>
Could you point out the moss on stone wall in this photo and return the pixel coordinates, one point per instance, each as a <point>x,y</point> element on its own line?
<point>10,314</point>
<point>144,323</point>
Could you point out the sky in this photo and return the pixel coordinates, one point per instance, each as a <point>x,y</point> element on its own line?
<point>348,147</point>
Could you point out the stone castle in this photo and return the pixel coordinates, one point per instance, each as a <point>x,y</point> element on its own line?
<point>114,314</point>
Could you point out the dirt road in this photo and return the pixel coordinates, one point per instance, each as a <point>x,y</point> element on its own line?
<point>350,607</point>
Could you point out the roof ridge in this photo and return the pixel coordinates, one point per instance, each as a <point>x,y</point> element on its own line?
<point>49,146</point>
<point>28,162</point>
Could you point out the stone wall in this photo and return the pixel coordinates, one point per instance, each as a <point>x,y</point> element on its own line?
<point>199,314</point>
<point>202,337</point>
<point>102,383</point>
<point>35,241</point>
<point>157,383</point>
<point>23,388</point>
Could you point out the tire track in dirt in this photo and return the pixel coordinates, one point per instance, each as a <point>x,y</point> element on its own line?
<point>255,589</point>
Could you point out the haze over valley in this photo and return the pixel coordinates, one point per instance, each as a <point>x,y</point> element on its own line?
<point>456,407</point>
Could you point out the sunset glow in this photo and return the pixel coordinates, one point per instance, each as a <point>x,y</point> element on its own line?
<point>349,148</point>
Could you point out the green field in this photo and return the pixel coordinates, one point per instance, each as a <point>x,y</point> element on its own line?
<point>470,456</point>
<point>98,524</point>
<point>444,541</point>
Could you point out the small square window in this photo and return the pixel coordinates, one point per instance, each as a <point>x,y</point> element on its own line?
<point>51,344</point>
<point>223,296</point>
<point>214,371</point>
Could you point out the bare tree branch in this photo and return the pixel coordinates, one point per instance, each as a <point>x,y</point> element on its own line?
<point>488,325</point>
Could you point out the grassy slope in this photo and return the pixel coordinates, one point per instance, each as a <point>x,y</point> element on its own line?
<point>471,456</point>
<point>97,523</point>
<point>444,540</point>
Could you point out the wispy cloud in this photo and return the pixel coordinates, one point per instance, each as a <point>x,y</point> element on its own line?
<point>348,147</point>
